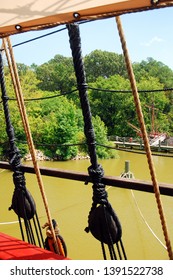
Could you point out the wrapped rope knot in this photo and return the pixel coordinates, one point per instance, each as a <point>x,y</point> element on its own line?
<point>14,159</point>
<point>99,194</point>
<point>96,174</point>
<point>103,222</point>
<point>82,86</point>
<point>19,179</point>
<point>6,98</point>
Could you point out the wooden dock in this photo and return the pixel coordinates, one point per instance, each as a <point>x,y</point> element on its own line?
<point>140,146</point>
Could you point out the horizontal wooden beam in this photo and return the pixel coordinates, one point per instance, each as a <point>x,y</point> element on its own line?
<point>145,186</point>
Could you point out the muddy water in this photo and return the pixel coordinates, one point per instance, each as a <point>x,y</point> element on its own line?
<point>70,202</point>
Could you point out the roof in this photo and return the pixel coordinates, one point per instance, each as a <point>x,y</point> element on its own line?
<point>18,16</point>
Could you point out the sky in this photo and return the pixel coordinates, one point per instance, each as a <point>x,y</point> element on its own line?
<point>148,34</point>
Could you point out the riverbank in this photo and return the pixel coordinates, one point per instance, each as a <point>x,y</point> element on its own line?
<point>41,157</point>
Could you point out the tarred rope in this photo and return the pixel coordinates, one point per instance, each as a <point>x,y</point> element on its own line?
<point>102,220</point>
<point>22,202</point>
<point>22,110</point>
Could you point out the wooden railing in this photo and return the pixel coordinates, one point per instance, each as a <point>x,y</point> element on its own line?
<point>144,186</point>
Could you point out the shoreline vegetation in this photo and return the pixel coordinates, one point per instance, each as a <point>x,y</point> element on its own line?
<point>41,157</point>
<point>54,110</point>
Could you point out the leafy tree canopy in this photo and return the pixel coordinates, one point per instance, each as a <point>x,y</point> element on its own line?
<point>57,123</point>
<point>103,64</point>
<point>57,74</point>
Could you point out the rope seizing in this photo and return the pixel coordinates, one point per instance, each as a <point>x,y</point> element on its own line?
<point>145,138</point>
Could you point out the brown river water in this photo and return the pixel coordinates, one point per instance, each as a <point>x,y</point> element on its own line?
<point>70,202</point>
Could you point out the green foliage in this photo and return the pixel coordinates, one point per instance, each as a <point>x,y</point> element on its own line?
<point>156,100</point>
<point>103,64</point>
<point>102,142</point>
<point>56,127</point>
<point>56,75</point>
<point>57,123</point>
<point>114,108</point>
<point>156,69</point>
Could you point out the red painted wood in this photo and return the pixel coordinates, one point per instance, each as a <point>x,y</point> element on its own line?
<point>14,249</point>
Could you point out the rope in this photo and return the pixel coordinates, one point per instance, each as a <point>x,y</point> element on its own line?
<point>102,220</point>
<point>97,89</point>
<point>145,221</point>
<point>44,35</point>
<point>9,223</point>
<point>22,201</point>
<point>2,170</point>
<point>129,175</point>
<point>22,109</point>
<point>46,97</point>
<point>14,81</point>
<point>145,138</point>
<point>130,91</point>
<point>82,87</point>
<point>92,88</point>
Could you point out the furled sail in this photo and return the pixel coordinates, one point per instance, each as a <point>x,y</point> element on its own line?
<point>18,16</point>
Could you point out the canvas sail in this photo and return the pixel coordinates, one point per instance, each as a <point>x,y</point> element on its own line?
<point>18,16</point>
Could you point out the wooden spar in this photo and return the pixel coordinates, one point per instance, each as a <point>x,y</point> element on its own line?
<point>114,181</point>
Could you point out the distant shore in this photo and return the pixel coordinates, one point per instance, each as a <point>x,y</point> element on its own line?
<point>41,157</point>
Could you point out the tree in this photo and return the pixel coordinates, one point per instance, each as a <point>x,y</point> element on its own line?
<point>156,101</point>
<point>103,64</point>
<point>22,69</point>
<point>111,106</point>
<point>56,75</point>
<point>55,128</point>
<point>156,69</point>
<point>57,124</point>
<point>104,147</point>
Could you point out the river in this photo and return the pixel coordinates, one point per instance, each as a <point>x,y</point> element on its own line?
<point>70,202</point>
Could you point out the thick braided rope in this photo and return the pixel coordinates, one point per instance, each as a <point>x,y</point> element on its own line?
<point>22,109</point>
<point>95,170</point>
<point>75,44</point>
<point>145,137</point>
<point>15,160</point>
<point>14,154</point>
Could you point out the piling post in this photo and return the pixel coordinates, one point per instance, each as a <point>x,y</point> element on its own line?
<point>124,141</point>
<point>127,173</point>
<point>159,149</point>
